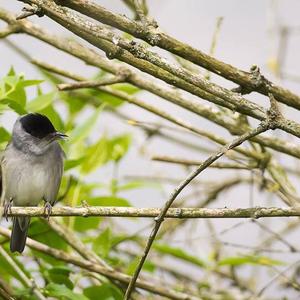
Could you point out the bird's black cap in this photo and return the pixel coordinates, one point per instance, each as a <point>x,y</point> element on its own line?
<point>37,125</point>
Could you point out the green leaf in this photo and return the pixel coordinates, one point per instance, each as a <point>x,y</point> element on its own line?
<point>24,294</point>
<point>108,201</point>
<point>60,291</point>
<point>73,163</point>
<point>82,131</point>
<point>12,91</point>
<point>26,83</point>
<point>60,275</point>
<point>102,244</point>
<point>40,231</point>
<point>17,95</point>
<point>74,101</point>
<point>178,253</point>
<point>148,266</point>
<point>136,184</point>
<point>128,88</point>
<point>4,135</point>
<point>106,291</point>
<point>249,259</point>
<point>54,117</point>
<point>41,102</point>
<point>14,106</point>
<point>105,97</point>
<point>120,146</point>
<point>84,224</point>
<point>96,155</point>
<point>11,71</point>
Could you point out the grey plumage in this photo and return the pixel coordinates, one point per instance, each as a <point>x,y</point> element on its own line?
<point>32,167</point>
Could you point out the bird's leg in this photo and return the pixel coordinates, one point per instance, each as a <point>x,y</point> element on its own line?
<point>7,208</point>
<point>47,210</point>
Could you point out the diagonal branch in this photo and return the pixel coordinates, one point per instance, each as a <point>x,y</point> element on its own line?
<point>270,123</point>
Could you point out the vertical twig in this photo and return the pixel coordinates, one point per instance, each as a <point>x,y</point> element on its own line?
<point>214,41</point>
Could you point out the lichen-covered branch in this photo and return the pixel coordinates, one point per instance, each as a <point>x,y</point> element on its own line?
<point>93,58</point>
<point>155,37</point>
<point>177,213</point>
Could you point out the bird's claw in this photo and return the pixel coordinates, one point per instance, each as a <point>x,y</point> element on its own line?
<point>7,208</point>
<point>47,210</point>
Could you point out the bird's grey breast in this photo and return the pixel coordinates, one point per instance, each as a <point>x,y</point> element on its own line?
<point>30,178</point>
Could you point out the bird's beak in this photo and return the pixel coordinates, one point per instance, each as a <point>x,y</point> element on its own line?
<point>59,135</point>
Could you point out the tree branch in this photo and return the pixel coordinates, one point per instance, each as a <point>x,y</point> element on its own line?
<point>92,83</point>
<point>157,38</point>
<point>190,162</point>
<point>175,213</point>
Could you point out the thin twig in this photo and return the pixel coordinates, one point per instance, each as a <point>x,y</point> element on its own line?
<point>280,274</point>
<point>91,83</point>
<point>190,162</point>
<point>278,236</point>
<point>214,41</point>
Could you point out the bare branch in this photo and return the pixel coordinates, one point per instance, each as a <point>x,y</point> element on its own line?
<point>93,83</point>
<point>177,213</point>
<point>190,162</point>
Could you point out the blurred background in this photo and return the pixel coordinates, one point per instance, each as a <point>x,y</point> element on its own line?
<point>264,33</point>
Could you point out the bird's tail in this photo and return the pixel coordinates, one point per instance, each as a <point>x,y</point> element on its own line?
<point>19,234</point>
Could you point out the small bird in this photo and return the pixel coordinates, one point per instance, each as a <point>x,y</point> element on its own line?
<point>31,168</point>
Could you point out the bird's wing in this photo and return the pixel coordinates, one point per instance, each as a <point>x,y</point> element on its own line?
<point>55,172</point>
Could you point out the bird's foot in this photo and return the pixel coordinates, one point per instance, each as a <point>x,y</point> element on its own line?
<point>7,208</point>
<point>47,210</point>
